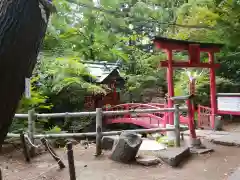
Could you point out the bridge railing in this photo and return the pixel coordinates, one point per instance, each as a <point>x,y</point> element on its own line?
<point>32,116</point>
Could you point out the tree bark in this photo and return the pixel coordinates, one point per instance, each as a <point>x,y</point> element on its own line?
<point>23,25</point>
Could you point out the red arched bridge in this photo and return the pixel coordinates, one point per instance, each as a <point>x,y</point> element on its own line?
<point>145,120</point>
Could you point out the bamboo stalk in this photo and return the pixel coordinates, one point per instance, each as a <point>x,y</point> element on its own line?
<point>176,125</point>
<point>111,133</point>
<point>21,116</point>
<point>59,115</point>
<point>106,113</point>
<point>98,131</point>
<point>93,134</point>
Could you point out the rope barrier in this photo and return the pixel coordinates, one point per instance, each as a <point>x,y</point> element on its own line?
<point>50,168</point>
<point>52,153</point>
<point>33,145</point>
<point>66,152</point>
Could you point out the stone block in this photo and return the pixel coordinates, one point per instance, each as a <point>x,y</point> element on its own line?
<point>174,156</point>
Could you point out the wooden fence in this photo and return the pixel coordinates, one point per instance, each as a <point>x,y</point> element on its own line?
<point>32,116</point>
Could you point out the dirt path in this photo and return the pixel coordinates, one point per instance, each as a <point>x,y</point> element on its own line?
<point>215,166</point>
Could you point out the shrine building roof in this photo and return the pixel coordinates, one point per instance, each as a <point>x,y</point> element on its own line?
<point>101,70</point>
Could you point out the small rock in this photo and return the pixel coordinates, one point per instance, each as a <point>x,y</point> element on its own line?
<point>85,143</point>
<point>148,160</point>
<point>73,141</point>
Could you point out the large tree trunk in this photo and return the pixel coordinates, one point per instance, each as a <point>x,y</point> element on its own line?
<point>22,28</point>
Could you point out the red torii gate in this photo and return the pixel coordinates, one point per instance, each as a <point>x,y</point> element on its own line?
<point>194,49</point>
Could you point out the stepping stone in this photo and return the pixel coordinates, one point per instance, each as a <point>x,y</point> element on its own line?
<point>151,145</point>
<point>201,150</point>
<point>235,175</point>
<point>232,139</point>
<point>148,160</point>
<point>174,156</point>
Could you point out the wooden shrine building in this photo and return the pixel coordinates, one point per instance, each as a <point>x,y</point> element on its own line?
<point>107,74</point>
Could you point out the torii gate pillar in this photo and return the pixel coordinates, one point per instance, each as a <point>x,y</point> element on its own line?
<point>170,84</point>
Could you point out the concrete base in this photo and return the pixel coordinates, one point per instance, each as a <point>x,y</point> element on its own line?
<point>196,143</point>
<point>174,156</point>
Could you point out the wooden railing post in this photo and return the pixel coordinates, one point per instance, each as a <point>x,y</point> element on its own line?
<point>31,128</point>
<point>25,149</point>
<point>72,172</point>
<point>98,131</point>
<point>177,125</point>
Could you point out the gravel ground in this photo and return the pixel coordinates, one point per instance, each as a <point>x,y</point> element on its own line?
<point>215,166</point>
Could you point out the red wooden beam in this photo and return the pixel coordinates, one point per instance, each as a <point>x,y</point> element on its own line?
<point>178,47</point>
<point>194,53</point>
<point>179,64</point>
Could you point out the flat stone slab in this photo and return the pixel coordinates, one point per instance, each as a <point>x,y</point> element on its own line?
<point>200,151</point>
<point>174,156</point>
<point>232,139</point>
<point>219,137</point>
<point>148,160</point>
<point>151,145</point>
<point>208,134</point>
<point>235,175</point>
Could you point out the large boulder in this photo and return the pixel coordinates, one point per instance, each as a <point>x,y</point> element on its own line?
<point>126,147</point>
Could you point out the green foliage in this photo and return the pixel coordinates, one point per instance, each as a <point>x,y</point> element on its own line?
<point>54,130</point>
<point>37,100</point>
<point>122,30</point>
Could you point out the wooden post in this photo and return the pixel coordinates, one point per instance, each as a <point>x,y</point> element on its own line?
<point>71,165</point>
<point>25,149</point>
<point>177,126</point>
<point>1,176</point>
<point>31,129</point>
<point>52,152</point>
<point>98,131</point>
